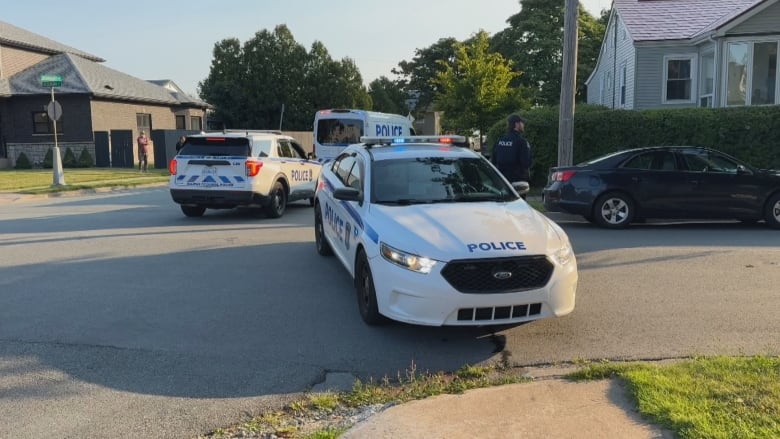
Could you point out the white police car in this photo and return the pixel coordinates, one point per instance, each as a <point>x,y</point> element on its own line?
<point>241,168</point>
<point>433,234</point>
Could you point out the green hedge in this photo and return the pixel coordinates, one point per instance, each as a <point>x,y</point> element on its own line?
<point>751,134</point>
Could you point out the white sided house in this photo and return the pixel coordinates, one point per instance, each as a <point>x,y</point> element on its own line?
<point>688,53</point>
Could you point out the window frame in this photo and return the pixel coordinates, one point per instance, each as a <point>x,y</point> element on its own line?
<point>749,72</point>
<point>623,80</point>
<point>49,124</point>
<point>693,69</point>
<point>710,97</point>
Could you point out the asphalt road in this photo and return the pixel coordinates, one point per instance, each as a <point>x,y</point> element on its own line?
<point>120,317</point>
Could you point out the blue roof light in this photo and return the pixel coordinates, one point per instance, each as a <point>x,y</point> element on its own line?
<point>399,140</point>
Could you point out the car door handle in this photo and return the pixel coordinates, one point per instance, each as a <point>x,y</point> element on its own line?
<point>636,179</point>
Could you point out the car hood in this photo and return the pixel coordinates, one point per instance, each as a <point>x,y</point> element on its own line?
<point>467,230</point>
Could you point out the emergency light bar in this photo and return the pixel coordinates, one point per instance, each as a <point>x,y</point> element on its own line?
<point>390,140</point>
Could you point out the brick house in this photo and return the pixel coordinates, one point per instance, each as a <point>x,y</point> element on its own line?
<point>94,99</point>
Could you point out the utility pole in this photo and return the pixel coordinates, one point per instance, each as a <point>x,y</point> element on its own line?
<point>568,85</point>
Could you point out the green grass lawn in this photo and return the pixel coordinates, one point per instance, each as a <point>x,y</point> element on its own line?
<point>38,181</point>
<point>715,398</point>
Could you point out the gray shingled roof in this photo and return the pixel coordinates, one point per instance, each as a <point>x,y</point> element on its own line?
<point>655,20</point>
<point>11,35</point>
<point>80,75</point>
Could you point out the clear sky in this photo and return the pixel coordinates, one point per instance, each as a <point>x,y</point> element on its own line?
<point>173,39</point>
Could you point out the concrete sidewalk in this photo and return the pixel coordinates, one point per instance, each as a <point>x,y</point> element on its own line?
<point>550,408</point>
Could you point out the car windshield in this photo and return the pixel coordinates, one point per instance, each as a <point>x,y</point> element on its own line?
<point>437,180</point>
<point>339,131</point>
<point>216,146</point>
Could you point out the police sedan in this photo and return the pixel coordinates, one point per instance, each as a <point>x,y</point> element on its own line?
<point>433,234</point>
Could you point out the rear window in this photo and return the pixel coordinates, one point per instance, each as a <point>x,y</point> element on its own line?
<point>216,146</point>
<point>339,131</point>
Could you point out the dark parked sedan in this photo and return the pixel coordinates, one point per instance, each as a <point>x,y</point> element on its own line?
<point>670,182</point>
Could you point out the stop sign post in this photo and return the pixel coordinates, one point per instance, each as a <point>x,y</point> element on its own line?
<point>54,111</point>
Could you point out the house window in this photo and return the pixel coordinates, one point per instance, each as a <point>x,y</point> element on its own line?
<point>751,73</point>
<point>43,125</point>
<point>707,80</point>
<point>196,123</point>
<point>678,79</point>
<point>181,123</point>
<point>764,73</point>
<point>623,75</point>
<point>144,122</point>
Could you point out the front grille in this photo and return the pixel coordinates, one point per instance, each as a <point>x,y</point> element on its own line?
<point>500,275</point>
<point>499,312</point>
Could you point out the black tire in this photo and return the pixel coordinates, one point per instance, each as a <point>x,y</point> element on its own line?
<point>614,210</point>
<point>193,211</point>
<point>366,294</point>
<point>278,203</point>
<point>323,247</point>
<point>772,211</point>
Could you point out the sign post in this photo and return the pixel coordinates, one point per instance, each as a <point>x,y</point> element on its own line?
<point>54,111</point>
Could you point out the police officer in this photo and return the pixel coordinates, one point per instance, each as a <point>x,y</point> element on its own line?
<point>512,153</point>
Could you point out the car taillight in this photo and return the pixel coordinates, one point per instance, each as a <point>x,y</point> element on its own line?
<point>253,168</point>
<point>563,176</point>
<point>172,167</point>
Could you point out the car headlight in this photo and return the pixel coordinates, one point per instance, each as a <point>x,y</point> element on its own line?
<point>564,254</point>
<point>407,260</point>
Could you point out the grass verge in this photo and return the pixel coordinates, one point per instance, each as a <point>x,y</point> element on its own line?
<point>718,397</point>
<point>713,398</point>
<point>39,181</point>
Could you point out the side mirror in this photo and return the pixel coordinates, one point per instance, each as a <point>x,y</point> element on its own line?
<point>522,187</point>
<point>348,194</point>
<point>310,155</point>
<point>742,170</point>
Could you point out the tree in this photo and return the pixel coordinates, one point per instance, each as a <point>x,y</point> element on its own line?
<point>223,88</point>
<point>534,42</point>
<point>475,89</point>
<point>388,96</point>
<point>272,77</point>
<point>418,73</point>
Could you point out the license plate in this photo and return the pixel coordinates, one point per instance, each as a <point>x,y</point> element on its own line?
<point>209,170</point>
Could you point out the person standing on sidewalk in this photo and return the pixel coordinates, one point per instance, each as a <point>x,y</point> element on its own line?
<point>143,151</point>
<point>512,153</point>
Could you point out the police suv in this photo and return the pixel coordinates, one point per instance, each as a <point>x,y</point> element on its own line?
<point>433,234</point>
<point>241,168</point>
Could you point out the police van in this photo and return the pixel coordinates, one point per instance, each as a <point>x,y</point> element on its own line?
<point>334,129</point>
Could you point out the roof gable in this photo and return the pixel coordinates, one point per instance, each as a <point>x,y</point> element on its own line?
<point>81,76</point>
<point>11,35</point>
<point>657,20</point>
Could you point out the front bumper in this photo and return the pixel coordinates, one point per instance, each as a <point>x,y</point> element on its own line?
<point>428,299</point>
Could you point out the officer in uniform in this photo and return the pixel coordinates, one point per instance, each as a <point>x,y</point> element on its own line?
<point>512,153</point>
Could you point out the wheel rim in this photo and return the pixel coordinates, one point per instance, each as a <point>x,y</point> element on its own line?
<point>279,200</point>
<point>318,228</point>
<point>614,211</point>
<point>776,211</point>
<point>365,284</point>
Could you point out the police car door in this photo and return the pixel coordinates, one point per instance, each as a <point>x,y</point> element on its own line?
<point>306,172</point>
<point>289,167</point>
<point>343,222</point>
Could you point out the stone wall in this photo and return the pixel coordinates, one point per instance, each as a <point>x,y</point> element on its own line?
<point>36,152</point>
